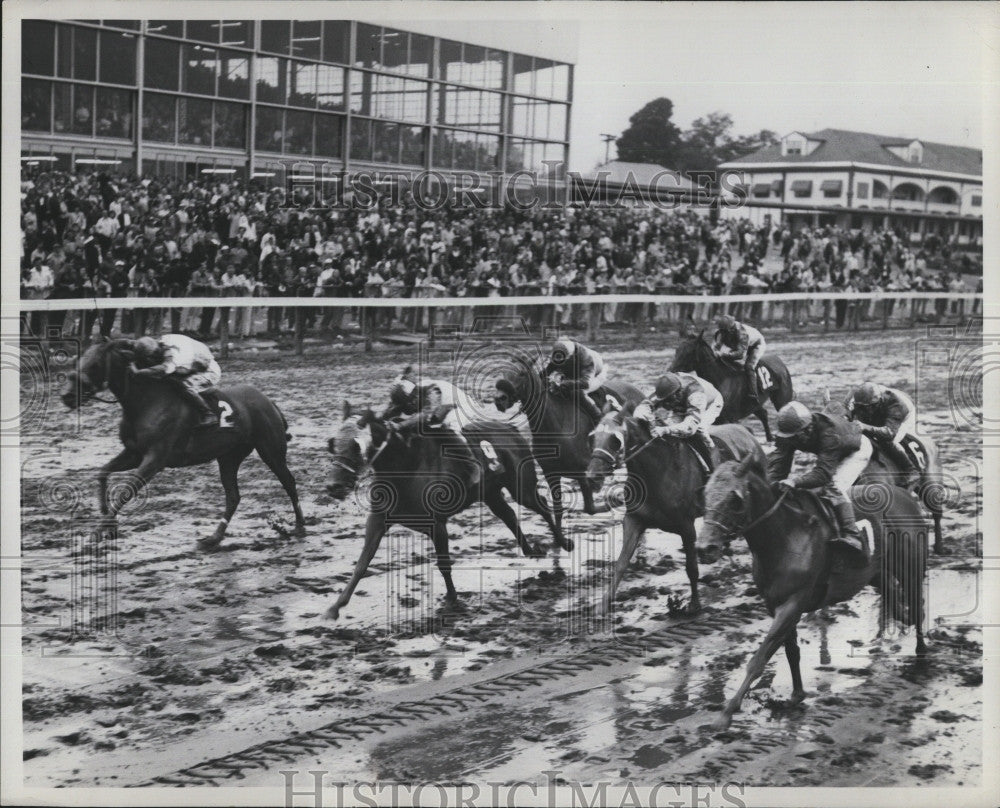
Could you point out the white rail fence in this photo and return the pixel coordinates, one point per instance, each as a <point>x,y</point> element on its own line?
<point>437,317</point>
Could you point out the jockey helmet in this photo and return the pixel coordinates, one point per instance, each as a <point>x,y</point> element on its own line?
<point>562,350</point>
<point>401,390</point>
<point>667,386</point>
<point>147,350</point>
<point>792,419</point>
<point>867,394</point>
<point>726,323</point>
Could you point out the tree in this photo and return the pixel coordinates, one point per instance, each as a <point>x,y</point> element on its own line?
<point>651,136</point>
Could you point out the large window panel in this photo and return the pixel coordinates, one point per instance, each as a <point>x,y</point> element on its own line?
<point>203,31</point>
<point>329,136</point>
<point>234,74</point>
<point>394,49</point>
<point>524,76</point>
<point>450,60</point>
<point>487,152</point>
<point>540,127</point>
<point>298,132</point>
<point>165,27</point>
<point>560,82</point>
<point>62,107</point>
<point>474,65</point>
<point>36,105</point>
<point>302,84</point>
<point>83,110</point>
<point>271,79</point>
<point>330,87</point>
<point>489,111</point>
<point>38,47</point>
<point>361,91</point>
<point>494,68</point>
<point>114,112</point>
<point>544,74</point>
<point>161,64</point>
<point>199,70</point>
<point>230,125</point>
<point>421,53</point>
<point>521,117</point>
<point>274,36</point>
<point>307,38</point>
<point>412,140</point>
<point>557,121</point>
<point>158,117</point>
<point>466,147</point>
<point>361,139</point>
<point>385,142</point>
<point>85,54</point>
<point>336,41</point>
<point>237,33</point>
<point>117,58</point>
<point>64,55</point>
<point>194,121</point>
<point>520,155</point>
<point>368,46</point>
<point>443,149</point>
<point>269,129</point>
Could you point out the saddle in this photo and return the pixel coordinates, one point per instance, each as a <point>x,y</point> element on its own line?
<point>221,405</point>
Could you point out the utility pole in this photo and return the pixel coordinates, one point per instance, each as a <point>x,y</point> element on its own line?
<point>607,145</point>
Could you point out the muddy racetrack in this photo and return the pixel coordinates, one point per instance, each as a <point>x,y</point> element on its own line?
<point>222,670</point>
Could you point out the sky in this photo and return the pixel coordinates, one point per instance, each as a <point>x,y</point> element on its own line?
<point>902,70</point>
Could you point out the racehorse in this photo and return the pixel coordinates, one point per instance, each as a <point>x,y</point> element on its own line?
<point>664,486</point>
<point>793,565</point>
<point>560,428</point>
<point>695,354</point>
<point>419,483</point>
<point>930,488</point>
<point>157,430</point>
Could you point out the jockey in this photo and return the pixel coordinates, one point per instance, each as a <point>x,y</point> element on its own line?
<point>842,453</point>
<point>683,406</point>
<point>436,402</point>
<point>740,343</point>
<point>184,361</point>
<point>579,367</point>
<point>886,416</point>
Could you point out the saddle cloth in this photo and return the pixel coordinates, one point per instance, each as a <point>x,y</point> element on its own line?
<point>222,406</point>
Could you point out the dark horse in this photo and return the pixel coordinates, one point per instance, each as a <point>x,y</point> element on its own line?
<point>157,430</point>
<point>665,482</point>
<point>420,481</point>
<point>695,354</point>
<point>560,428</point>
<point>793,565</point>
<point>930,488</point>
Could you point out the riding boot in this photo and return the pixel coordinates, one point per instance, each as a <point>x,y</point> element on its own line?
<point>206,417</point>
<point>476,474</point>
<point>706,449</point>
<point>751,381</point>
<point>894,452</point>
<point>850,536</point>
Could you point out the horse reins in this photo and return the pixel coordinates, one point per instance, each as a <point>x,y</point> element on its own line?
<point>731,531</point>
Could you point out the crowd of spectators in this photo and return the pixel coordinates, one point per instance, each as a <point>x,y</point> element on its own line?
<point>93,235</point>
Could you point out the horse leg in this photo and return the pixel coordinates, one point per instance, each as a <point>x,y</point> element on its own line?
<point>555,491</point>
<point>275,460</point>
<point>375,529</point>
<point>689,538</point>
<point>495,502</point>
<point>152,464</point>
<point>229,465</point>
<point>792,654</point>
<point>526,493</point>
<point>939,548</point>
<point>632,530</point>
<point>123,461</point>
<point>439,535</point>
<point>588,500</point>
<point>786,617</point>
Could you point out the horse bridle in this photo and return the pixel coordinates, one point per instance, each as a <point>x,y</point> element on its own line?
<point>621,457</point>
<point>347,467</point>
<point>107,373</point>
<point>729,531</point>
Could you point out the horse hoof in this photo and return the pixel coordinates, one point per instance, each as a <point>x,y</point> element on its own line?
<point>333,613</point>
<point>941,550</point>
<point>693,608</point>
<point>535,551</point>
<point>209,542</point>
<point>568,545</point>
<point>722,723</point>
<point>299,532</point>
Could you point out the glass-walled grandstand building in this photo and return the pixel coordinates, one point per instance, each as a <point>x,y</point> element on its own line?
<point>187,98</point>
